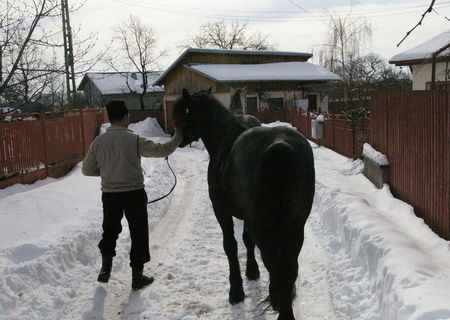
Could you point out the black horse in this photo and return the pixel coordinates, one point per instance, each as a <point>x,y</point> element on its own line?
<point>262,175</point>
<point>238,110</point>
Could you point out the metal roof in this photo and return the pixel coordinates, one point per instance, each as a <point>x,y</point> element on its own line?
<point>121,82</point>
<point>229,52</point>
<point>278,71</point>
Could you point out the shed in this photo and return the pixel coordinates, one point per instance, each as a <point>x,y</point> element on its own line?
<point>102,87</point>
<point>273,79</point>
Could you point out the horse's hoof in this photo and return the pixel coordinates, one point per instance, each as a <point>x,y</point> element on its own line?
<point>252,274</point>
<point>236,298</point>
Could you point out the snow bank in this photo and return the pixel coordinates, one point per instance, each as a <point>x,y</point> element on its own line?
<point>380,262</point>
<point>49,233</point>
<point>148,128</point>
<point>277,124</point>
<point>405,264</point>
<point>104,127</point>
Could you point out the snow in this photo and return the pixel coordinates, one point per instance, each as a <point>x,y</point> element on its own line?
<point>280,71</point>
<point>366,256</point>
<point>425,50</point>
<point>374,155</point>
<point>116,83</point>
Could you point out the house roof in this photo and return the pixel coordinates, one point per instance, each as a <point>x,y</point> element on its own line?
<point>279,71</point>
<point>121,82</point>
<point>160,80</point>
<point>424,51</point>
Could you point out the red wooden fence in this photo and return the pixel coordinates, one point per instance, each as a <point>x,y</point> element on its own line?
<point>36,145</point>
<point>413,130</point>
<point>340,134</point>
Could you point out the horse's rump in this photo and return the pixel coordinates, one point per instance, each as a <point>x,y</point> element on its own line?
<point>275,172</point>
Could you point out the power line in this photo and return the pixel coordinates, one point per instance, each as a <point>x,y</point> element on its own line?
<point>275,16</point>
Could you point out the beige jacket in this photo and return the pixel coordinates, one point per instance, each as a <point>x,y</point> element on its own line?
<point>115,156</point>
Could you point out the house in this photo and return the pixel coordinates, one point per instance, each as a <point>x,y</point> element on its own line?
<point>273,79</point>
<point>428,62</point>
<point>102,87</point>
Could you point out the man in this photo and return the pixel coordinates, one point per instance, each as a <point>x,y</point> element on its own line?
<point>115,156</point>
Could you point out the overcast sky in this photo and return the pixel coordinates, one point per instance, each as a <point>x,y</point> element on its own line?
<point>292,25</point>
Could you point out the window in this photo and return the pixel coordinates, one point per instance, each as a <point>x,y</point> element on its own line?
<point>312,102</point>
<point>276,103</point>
<point>252,103</point>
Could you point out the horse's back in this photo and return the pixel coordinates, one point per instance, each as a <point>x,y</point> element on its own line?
<point>247,121</point>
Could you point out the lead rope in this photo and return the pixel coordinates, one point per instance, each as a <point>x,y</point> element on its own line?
<point>173,187</point>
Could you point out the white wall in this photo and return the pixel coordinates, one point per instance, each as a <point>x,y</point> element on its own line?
<point>422,74</point>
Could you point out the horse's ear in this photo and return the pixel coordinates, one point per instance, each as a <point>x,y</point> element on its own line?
<point>186,94</point>
<point>209,90</point>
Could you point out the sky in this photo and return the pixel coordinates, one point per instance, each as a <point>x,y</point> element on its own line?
<point>291,25</point>
<point>366,256</point>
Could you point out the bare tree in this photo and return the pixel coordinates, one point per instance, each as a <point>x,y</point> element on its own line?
<point>31,55</point>
<point>136,50</point>
<point>345,42</point>
<point>235,35</point>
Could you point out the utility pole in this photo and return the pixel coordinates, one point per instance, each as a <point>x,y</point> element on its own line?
<point>68,54</point>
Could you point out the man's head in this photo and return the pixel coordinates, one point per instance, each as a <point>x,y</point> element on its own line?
<point>117,111</point>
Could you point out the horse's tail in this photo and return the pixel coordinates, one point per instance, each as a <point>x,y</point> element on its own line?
<point>276,177</point>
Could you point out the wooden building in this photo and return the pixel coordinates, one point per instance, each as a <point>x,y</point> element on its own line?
<point>101,87</point>
<point>273,79</point>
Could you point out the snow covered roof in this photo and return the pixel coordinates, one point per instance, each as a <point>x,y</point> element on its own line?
<point>424,50</point>
<point>280,71</point>
<point>116,82</point>
<point>303,55</point>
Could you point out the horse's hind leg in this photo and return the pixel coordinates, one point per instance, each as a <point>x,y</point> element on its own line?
<point>252,271</point>
<point>287,314</point>
<point>236,294</point>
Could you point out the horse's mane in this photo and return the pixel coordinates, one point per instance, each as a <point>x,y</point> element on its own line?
<point>212,106</point>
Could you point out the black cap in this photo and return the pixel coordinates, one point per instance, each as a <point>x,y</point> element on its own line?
<point>116,110</point>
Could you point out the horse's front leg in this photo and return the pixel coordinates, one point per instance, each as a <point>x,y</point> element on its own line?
<point>252,270</point>
<point>236,294</point>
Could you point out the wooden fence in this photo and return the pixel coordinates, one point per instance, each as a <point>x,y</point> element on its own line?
<point>340,134</point>
<point>413,130</point>
<point>46,144</point>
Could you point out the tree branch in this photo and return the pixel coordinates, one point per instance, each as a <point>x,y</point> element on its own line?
<point>430,8</point>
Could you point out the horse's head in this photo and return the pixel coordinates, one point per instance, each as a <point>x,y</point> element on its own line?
<point>187,112</point>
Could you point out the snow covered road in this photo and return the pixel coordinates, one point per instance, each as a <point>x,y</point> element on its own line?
<point>363,257</point>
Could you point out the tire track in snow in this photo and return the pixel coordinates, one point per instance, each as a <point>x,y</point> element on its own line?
<point>118,304</point>
<point>191,269</point>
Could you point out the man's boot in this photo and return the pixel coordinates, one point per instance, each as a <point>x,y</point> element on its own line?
<point>139,281</point>
<point>105,271</point>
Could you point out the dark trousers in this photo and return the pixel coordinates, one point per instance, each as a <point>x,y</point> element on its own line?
<point>134,205</point>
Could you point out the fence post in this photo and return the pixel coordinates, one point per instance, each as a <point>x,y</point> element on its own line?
<point>354,139</point>
<point>83,142</point>
<point>332,132</point>
<point>44,138</point>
